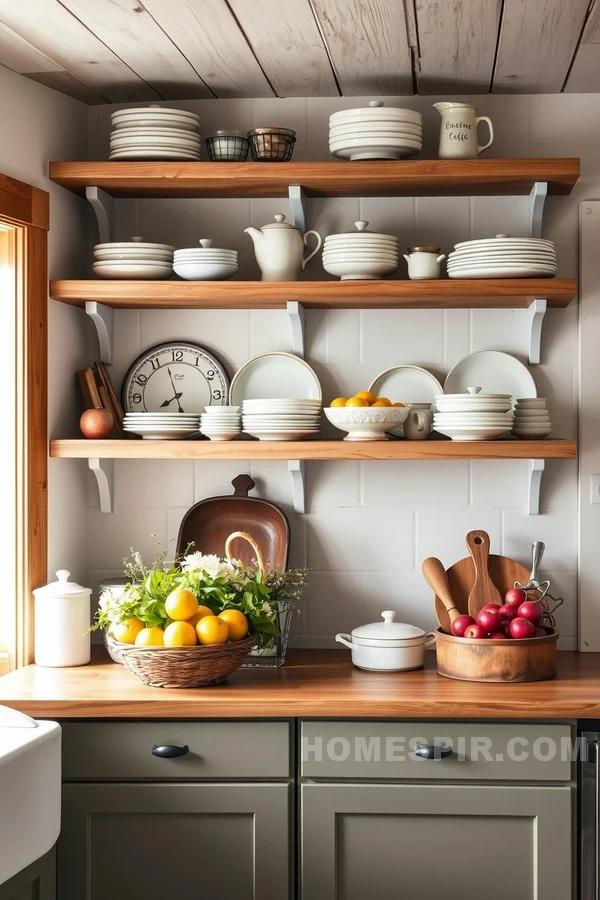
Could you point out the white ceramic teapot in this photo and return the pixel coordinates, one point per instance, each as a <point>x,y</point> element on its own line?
<point>458,131</point>
<point>279,249</point>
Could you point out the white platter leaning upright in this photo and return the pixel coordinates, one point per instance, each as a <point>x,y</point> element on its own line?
<point>275,375</point>
<point>496,372</point>
<point>406,384</point>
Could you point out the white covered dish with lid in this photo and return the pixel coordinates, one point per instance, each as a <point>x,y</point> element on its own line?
<point>387,646</point>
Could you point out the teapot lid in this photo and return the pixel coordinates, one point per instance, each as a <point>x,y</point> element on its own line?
<point>61,588</point>
<point>388,630</point>
<point>279,223</point>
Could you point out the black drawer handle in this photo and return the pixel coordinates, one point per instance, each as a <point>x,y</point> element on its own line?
<point>432,751</point>
<point>169,751</point>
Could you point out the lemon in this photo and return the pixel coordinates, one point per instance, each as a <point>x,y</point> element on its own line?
<point>127,631</point>
<point>369,396</point>
<point>181,605</point>
<point>356,401</point>
<point>380,404</point>
<point>339,401</point>
<point>382,401</point>
<point>237,623</point>
<point>199,614</point>
<point>180,634</point>
<point>150,637</point>
<point>398,404</point>
<point>212,630</point>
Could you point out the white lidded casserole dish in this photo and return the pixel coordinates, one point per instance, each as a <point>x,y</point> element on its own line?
<point>387,646</point>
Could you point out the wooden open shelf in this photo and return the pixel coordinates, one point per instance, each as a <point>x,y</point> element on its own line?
<point>316,450</point>
<point>495,293</point>
<point>433,177</point>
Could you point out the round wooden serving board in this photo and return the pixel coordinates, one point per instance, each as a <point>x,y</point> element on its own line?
<point>461,576</point>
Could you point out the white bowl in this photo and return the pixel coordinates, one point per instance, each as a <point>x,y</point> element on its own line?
<point>197,271</point>
<point>220,434</point>
<point>209,410</point>
<point>368,151</point>
<point>530,403</point>
<point>360,241</point>
<point>362,142</point>
<point>530,412</point>
<point>532,433</point>
<point>266,435</point>
<point>362,255</point>
<point>153,153</point>
<point>360,271</point>
<point>157,256</point>
<point>145,271</point>
<point>473,433</point>
<point>365,423</point>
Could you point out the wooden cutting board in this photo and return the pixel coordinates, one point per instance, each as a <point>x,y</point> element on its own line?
<point>461,576</point>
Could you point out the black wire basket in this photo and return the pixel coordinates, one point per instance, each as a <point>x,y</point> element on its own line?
<point>271,144</point>
<point>224,147</point>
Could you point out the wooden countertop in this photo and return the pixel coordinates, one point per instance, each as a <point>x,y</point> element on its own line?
<point>313,684</point>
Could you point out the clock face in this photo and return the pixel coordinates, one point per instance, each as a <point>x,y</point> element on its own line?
<point>175,377</point>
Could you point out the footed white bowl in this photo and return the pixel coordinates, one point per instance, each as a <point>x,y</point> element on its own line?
<point>204,271</point>
<point>365,423</point>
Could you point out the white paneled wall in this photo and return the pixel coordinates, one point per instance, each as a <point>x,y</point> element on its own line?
<point>369,525</point>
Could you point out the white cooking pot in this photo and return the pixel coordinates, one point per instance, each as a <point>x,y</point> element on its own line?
<point>388,646</point>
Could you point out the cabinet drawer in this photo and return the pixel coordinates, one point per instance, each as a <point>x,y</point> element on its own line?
<point>123,750</point>
<point>480,752</point>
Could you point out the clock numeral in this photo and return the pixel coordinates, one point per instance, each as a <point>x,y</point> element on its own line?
<point>210,374</point>
<point>177,355</point>
<point>197,363</point>
<point>155,364</point>
<point>216,395</point>
<point>141,379</point>
<point>137,398</point>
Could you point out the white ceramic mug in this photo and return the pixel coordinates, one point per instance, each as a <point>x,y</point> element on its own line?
<point>418,425</point>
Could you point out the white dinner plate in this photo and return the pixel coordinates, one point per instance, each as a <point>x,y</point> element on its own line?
<point>275,375</point>
<point>406,384</point>
<point>370,141</point>
<point>140,153</point>
<point>496,372</point>
<point>142,272</point>
<point>134,245</point>
<point>494,272</point>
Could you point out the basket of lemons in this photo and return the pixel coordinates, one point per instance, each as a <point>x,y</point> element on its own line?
<point>193,622</point>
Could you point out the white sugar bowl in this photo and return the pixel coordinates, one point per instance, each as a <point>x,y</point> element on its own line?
<point>388,646</point>
<point>62,622</point>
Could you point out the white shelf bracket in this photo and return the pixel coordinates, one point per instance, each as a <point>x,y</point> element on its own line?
<point>103,318</point>
<point>535,319</point>
<point>298,204</point>
<point>296,468</point>
<point>102,204</point>
<point>103,469</point>
<point>536,470</point>
<point>537,199</point>
<point>297,317</point>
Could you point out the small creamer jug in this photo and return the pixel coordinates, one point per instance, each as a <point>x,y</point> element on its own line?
<point>458,131</point>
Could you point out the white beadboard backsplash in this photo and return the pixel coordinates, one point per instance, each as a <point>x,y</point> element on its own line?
<point>368,525</point>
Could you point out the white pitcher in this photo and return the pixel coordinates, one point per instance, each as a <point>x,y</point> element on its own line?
<point>458,132</point>
<point>279,249</point>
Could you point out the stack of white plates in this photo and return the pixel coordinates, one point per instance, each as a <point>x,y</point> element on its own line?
<point>205,263</point>
<point>281,420</point>
<point>154,132</point>
<point>221,423</point>
<point>503,257</point>
<point>473,416</point>
<point>532,420</point>
<point>162,426</point>
<point>133,259</point>
<point>361,254</point>
<point>375,132</point>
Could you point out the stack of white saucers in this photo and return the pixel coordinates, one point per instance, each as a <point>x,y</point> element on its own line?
<point>281,420</point>
<point>133,259</point>
<point>205,263</point>
<point>360,254</point>
<point>221,423</point>
<point>375,132</point>
<point>503,257</point>
<point>154,132</point>
<point>532,419</point>
<point>473,416</point>
<point>162,426</point>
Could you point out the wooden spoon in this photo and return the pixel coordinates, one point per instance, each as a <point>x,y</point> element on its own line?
<point>484,590</point>
<point>437,579</point>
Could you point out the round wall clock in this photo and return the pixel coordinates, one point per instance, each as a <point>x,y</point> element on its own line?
<point>176,376</point>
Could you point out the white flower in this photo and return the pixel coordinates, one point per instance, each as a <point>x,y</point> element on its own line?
<point>267,608</point>
<point>212,566</point>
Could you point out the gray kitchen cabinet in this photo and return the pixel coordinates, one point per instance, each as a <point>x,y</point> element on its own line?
<point>456,841</point>
<point>213,841</point>
<point>36,882</point>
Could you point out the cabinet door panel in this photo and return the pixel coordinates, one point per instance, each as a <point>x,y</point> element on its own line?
<point>206,841</point>
<point>459,842</point>
<point>36,882</point>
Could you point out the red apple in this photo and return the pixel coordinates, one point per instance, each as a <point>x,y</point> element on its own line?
<point>531,611</point>
<point>515,596</point>
<point>489,619</point>
<point>505,627</point>
<point>522,628</point>
<point>508,612</point>
<point>475,631</point>
<point>460,623</point>
<point>540,632</point>
<point>491,607</point>
<point>97,423</point>
<point>497,636</point>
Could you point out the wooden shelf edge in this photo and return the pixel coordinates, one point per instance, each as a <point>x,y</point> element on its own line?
<point>312,450</point>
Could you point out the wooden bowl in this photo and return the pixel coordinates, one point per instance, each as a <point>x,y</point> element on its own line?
<point>471,659</point>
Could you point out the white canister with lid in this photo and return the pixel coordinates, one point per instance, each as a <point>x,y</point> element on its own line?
<point>388,646</point>
<point>62,621</point>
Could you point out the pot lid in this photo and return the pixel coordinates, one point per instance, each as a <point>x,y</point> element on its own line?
<point>278,224</point>
<point>474,393</point>
<point>361,229</point>
<point>61,588</point>
<point>423,249</point>
<point>388,630</point>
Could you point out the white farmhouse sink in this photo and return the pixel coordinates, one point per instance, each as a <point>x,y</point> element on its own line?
<point>30,778</point>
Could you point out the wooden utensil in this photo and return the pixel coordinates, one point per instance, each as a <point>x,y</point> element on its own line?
<point>437,579</point>
<point>483,590</point>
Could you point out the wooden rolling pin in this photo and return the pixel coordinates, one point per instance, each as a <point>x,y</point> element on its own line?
<point>435,575</point>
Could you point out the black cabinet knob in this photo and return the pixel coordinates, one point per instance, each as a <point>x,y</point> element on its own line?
<point>169,751</point>
<point>433,751</point>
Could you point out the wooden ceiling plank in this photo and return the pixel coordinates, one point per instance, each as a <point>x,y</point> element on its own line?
<point>48,26</point>
<point>210,38</point>
<point>584,77</point>
<point>537,43</point>
<point>288,45</point>
<point>136,38</point>
<point>19,55</point>
<point>66,84</point>
<point>368,44</point>
<point>457,41</point>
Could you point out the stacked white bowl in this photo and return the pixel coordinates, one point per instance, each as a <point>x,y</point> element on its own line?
<point>162,426</point>
<point>361,254</point>
<point>221,423</point>
<point>281,420</point>
<point>503,257</point>
<point>133,259</point>
<point>205,263</point>
<point>473,416</point>
<point>154,132</point>
<point>375,132</point>
<point>532,420</point>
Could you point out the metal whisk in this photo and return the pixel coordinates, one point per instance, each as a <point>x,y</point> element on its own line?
<point>548,603</point>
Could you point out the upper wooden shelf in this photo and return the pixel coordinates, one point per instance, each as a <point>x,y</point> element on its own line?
<point>492,293</point>
<point>317,450</point>
<point>433,177</point>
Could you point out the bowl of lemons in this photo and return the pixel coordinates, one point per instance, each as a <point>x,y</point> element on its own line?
<point>366,417</point>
